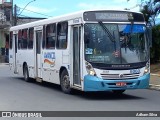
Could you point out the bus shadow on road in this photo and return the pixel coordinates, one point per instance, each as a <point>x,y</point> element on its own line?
<point>106,95</point>
<point>44,84</point>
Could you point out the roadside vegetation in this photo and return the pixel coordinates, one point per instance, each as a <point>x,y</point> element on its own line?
<point>151,10</point>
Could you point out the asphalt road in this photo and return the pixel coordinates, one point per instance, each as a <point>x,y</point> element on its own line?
<point>18,95</point>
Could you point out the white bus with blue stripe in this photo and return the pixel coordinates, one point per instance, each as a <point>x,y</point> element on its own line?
<point>99,50</point>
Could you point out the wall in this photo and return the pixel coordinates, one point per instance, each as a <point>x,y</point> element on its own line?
<point>2,39</point>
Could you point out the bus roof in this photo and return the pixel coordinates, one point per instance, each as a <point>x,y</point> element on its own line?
<point>48,21</point>
<point>59,19</point>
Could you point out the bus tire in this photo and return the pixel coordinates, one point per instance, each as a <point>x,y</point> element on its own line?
<point>65,82</point>
<point>118,92</point>
<point>26,73</point>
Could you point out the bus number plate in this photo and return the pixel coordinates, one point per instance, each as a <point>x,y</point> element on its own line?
<point>135,71</point>
<point>121,84</point>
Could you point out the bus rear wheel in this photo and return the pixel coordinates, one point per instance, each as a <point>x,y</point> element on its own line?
<point>26,73</point>
<point>65,82</point>
<point>118,92</point>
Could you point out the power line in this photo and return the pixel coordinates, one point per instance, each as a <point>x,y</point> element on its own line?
<point>21,16</point>
<point>25,16</point>
<point>35,12</point>
<point>26,6</point>
<point>21,19</point>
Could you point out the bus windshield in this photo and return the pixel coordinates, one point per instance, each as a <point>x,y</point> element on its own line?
<point>129,45</point>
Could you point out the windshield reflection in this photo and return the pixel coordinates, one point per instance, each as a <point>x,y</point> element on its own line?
<point>129,46</point>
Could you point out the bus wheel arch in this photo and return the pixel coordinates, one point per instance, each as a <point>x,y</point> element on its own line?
<point>64,80</point>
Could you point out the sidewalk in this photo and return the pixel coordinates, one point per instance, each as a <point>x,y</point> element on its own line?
<point>2,64</point>
<point>155,76</point>
<point>155,81</point>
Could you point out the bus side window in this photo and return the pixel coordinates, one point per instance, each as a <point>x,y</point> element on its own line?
<point>11,40</point>
<point>19,39</point>
<point>30,40</point>
<point>62,31</point>
<point>50,36</point>
<point>24,39</point>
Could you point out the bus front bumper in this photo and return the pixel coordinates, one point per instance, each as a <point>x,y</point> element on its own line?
<point>93,83</point>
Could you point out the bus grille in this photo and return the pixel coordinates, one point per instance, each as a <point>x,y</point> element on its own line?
<point>119,76</point>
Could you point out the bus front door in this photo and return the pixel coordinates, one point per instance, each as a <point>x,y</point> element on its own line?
<point>15,53</point>
<point>76,55</point>
<point>38,53</point>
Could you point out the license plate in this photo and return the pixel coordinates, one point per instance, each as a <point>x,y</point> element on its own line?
<point>135,71</point>
<point>121,84</point>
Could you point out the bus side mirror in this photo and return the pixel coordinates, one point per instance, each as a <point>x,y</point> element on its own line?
<point>149,35</point>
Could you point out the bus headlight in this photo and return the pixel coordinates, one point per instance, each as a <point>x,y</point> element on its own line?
<point>146,70</point>
<point>90,69</point>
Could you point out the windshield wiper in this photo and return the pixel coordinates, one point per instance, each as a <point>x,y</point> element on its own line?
<point>131,29</point>
<point>111,37</point>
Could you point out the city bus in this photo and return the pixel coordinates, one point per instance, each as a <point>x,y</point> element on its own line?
<point>95,50</point>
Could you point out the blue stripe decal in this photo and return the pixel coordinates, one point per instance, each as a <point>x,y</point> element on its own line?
<point>93,83</point>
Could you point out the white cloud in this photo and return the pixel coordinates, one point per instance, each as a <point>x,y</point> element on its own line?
<point>115,4</point>
<point>119,1</point>
<point>98,6</point>
<point>38,9</point>
<point>42,10</point>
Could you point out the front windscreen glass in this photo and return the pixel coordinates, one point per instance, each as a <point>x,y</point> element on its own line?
<point>115,43</point>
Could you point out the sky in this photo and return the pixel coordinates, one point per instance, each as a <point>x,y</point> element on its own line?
<point>50,8</point>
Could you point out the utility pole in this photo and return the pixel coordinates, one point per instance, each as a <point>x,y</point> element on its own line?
<point>11,13</point>
<point>15,15</point>
<point>15,12</point>
<point>26,6</point>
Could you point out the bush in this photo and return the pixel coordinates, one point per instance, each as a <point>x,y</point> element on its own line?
<point>155,50</point>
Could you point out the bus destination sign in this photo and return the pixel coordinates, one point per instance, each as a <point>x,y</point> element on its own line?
<point>113,16</point>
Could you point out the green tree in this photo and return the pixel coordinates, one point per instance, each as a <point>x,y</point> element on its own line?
<point>150,9</point>
<point>155,50</point>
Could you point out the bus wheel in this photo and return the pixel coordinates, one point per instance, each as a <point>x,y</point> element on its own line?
<point>26,74</point>
<point>65,83</point>
<point>118,92</point>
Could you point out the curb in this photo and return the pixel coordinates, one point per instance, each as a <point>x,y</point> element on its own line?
<point>155,74</point>
<point>154,87</point>
<point>4,63</point>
